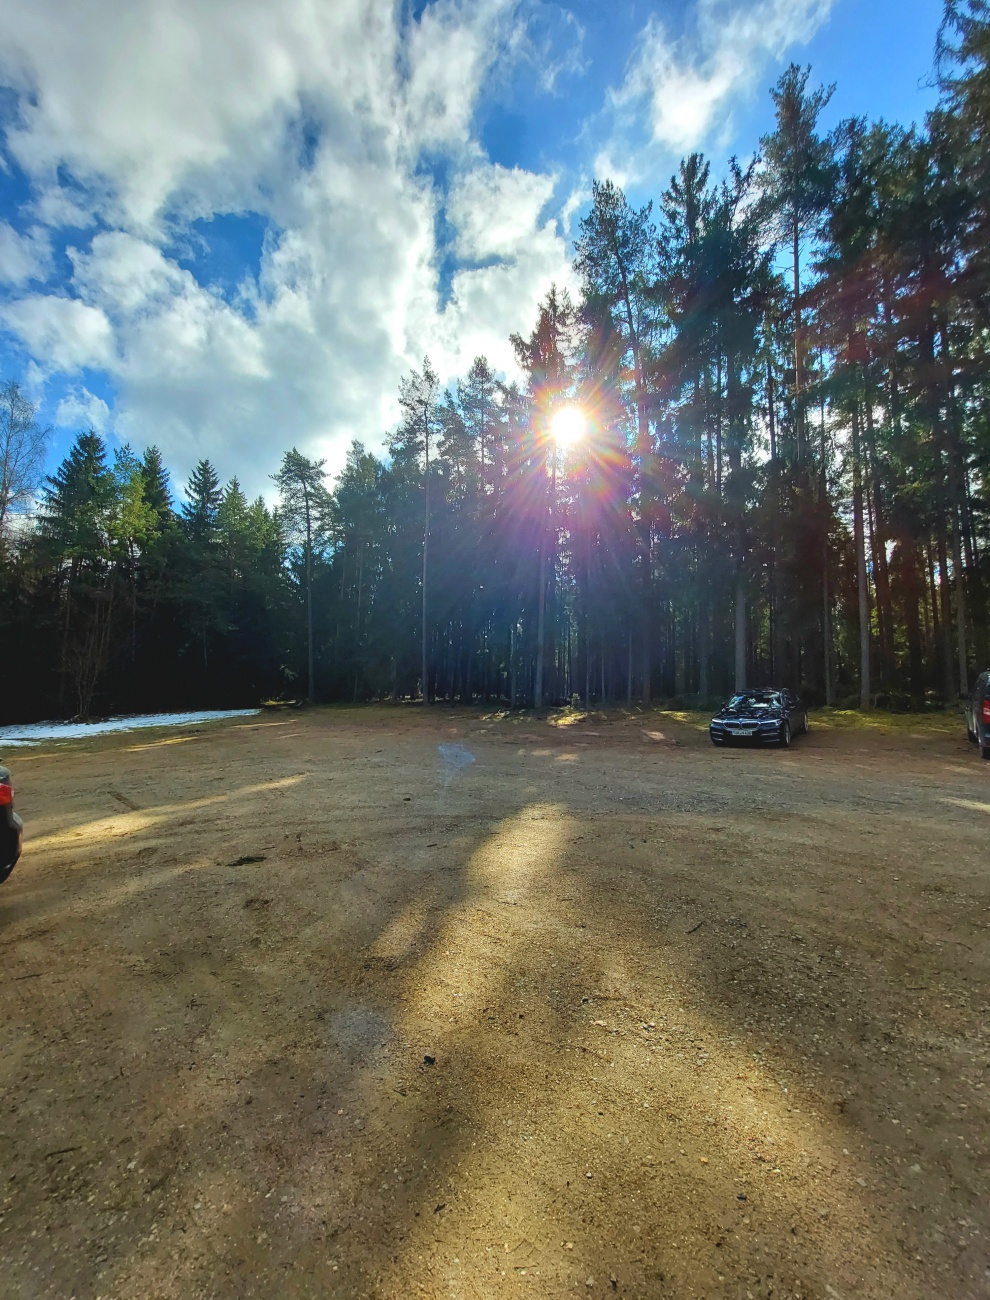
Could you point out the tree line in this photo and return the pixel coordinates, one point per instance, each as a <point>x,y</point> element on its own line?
<point>782,476</point>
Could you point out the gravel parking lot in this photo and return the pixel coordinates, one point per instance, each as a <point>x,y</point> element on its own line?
<point>292,1006</point>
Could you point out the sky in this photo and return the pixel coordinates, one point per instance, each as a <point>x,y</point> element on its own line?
<point>228,227</point>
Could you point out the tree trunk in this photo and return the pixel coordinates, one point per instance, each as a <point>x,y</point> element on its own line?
<point>798,396</point>
<point>885,612</point>
<point>827,629</point>
<point>945,615</point>
<point>775,651</point>
<point>541,619</point>
<point>513,672</point>
<point>704,690</point>
<point>357,628</point>
<point>310,694</point>
<point>424,667</point>
<point>914,596</point>
<point>933,630</point>
<point>862,587</point>
<point>957,497</point>
<point>740,601</point>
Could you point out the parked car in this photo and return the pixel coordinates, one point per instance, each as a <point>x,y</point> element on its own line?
<point>768,716</point>
<point>11,827</point>
<point>978,714</point>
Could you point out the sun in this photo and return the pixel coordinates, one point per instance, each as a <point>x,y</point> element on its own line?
<point>568,425</point>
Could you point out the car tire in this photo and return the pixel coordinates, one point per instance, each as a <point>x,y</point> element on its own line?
<point>804,729</point>
<point>785,736</point>
<point>985,752</point>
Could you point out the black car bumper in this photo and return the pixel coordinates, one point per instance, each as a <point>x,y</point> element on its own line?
<point>761,736</point>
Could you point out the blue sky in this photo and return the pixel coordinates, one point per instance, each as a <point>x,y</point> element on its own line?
<point>230,226</point>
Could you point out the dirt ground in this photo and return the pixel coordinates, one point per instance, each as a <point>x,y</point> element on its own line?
<point>292,1007</point>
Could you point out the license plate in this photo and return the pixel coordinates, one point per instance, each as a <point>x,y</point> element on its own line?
<point>744,731</point>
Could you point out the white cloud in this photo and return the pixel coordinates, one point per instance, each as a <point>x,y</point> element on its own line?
<point>449,52</point>
<point>24,258</point>
<point>318,115</point>
<point>80,409</point>
<point>496,213</point>
<point>571,61</point>
<point>185,89</point>
<point>53,206</point>
<point>496,209</point>
<point>61,333</point>
<point>685,89</point>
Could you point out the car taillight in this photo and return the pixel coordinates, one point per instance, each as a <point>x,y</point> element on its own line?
<point>6,793</point>
<point>985,711</point>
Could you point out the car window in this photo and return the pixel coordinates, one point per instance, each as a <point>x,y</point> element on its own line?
<point>755,700</point>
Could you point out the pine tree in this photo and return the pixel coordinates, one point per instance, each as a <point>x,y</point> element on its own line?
<point>797,180</point>
<point>616,258</point>
<point>157,488</point>
<point>305,505</point>
<point>420,424</point>
<point>203,497</point>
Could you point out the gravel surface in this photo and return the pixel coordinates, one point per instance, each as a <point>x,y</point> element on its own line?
<point>298,1006</point>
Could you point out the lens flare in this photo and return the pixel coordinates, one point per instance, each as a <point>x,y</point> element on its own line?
<point>568,426</point>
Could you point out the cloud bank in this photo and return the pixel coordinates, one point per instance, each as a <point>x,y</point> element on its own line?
<point>243,221</point>
<point>346,129</point>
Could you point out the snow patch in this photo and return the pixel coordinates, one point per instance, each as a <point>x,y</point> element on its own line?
<point>35,733</point>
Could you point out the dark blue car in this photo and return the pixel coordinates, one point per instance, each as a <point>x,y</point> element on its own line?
<point>762,717</point>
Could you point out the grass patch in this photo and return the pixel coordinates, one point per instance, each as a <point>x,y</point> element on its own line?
<point>929,724</point>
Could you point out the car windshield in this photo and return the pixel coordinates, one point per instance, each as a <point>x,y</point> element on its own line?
<point>761,701</point>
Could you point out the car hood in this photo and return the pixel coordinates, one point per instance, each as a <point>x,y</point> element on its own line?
<point>749,715</point>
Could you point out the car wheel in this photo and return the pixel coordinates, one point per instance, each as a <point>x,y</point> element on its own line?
<point>785,736</point>
<point>805,727</point>
<point>971,734</point>
<point>985,751</point>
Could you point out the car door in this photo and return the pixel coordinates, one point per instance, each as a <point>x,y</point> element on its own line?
<point>794,716</point>
<point>971,707</point>
<point>799,716</point>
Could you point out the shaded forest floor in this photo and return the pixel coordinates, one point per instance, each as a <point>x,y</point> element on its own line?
<point>610,1012</point>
